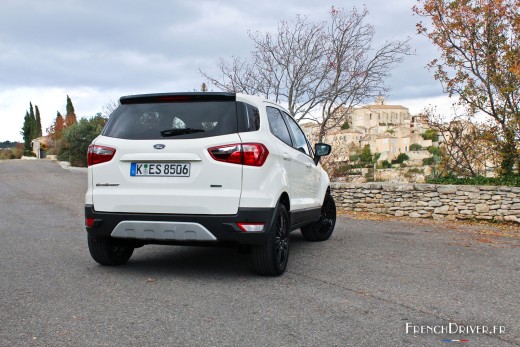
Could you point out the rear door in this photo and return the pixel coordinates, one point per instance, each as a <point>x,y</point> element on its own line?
<point>161,162</point>
<point>307,174</point>
<point>296,170</point>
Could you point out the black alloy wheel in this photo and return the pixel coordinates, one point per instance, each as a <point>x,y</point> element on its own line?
<point>323,228</point>
<point>271,258</point>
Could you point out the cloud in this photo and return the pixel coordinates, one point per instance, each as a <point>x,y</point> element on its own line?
<point>98,50</point>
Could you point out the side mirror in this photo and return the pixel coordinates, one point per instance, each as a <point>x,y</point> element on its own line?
<point>321,150</point>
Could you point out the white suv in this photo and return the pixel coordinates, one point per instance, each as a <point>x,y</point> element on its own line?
<point>205,168</point>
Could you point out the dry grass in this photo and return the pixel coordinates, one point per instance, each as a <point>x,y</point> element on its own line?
<point>485,229</point>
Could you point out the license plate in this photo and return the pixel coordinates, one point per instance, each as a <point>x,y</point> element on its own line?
<point>160,169</point>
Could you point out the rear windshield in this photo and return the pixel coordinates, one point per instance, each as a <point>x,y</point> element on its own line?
<point>180,120</point>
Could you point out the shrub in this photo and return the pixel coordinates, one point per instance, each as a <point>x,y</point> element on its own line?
<point>341,170</point>
<point>416,170</point>
<point>512,180</point>
<point>78,137</point>
<point>430,134</point>
<point>400,158</point>
<point>18,151</point>
<point>434,150</point>
<point>428,161</point>
<point>410,172</point>
<point>5,154</point>
<point>415,147</point>
<point>386,164</point>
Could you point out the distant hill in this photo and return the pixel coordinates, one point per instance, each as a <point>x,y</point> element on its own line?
<point>8,144</point>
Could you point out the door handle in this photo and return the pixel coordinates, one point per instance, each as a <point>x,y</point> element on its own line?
<point>286,156</point>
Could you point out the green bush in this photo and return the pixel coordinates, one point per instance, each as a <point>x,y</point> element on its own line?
<point>428,161</point>
<point>415,147</point>
<point>386,164</point>
<point>430,134</point>
<point>78,137</point>
<point>400,158</point>
<point>434,150</point>
<point>513,180</point>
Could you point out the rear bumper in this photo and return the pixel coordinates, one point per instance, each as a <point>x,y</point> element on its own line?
<point>222,227</point>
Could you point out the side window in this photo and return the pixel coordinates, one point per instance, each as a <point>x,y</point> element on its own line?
<point>300,141</point>
<point>248,117</point>
<point>277,125</point>
<point>253,117</point>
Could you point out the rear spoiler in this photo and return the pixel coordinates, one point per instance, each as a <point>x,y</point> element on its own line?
<point>176,97</point>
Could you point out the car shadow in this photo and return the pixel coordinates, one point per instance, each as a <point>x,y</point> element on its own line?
<point>203,262</point>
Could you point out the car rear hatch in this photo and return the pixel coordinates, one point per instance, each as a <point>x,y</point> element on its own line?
<point>160,160</point>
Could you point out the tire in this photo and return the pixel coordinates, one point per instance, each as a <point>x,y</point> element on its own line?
<point>271,259</point>
<point>110,251</point>
<point>323,228</point>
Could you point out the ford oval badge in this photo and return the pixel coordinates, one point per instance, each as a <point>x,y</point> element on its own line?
<point>159,146</point>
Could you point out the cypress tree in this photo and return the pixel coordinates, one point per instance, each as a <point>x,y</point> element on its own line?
<point>33,132</point>
<point>26,132</point>
<point>58,126</point>
<point>70,116</point>
<point>38,122</point>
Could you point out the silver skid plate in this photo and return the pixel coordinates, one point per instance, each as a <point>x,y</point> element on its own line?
<point>180,231</point>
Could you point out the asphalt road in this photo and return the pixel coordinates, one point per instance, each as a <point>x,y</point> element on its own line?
<point>360,288</point>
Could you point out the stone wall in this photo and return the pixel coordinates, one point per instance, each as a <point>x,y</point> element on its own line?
<point>444,202</point>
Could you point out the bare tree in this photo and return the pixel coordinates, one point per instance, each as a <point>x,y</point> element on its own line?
<point>320,70</point>
<point>109,107</point>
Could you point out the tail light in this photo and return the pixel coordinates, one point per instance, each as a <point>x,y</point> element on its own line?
<point>99,154</point>
<point>251,227</point>
<point>251,154</point>
<point>89,222</point>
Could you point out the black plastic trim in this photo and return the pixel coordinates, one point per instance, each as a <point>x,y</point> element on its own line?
<point>221,226</point>
<point>176,97</point>
<point>304,217</point>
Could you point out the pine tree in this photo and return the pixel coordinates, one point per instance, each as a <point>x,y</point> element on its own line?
<point>70,116</point>
<point>38,122</point>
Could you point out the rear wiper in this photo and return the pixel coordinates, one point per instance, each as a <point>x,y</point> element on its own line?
<point>175,132</point>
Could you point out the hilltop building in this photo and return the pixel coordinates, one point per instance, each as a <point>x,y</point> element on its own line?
<point>387,129</point>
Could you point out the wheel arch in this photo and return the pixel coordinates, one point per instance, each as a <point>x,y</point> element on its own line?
<point>284,200</point>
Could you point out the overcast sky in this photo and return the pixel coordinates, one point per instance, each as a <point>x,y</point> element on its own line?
<point>98,50</point>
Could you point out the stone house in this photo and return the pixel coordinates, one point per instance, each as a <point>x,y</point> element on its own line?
<point>39,146</point>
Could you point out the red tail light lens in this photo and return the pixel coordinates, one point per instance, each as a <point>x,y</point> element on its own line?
<point>99,154</point>
<point>89,222</point>
<point>251,154</point>
<point>251,227</point>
